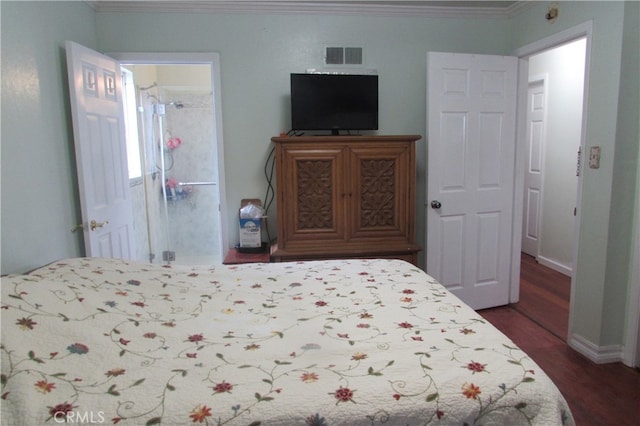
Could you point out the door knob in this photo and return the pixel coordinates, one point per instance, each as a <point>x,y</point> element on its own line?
<point>435,204</point>
<point>93,225</point>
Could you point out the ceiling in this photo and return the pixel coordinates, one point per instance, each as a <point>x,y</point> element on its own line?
<point>450,8</point>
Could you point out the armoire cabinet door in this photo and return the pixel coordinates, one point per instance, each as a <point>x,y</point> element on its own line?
<point>311,192</point>
<point>382,180</point>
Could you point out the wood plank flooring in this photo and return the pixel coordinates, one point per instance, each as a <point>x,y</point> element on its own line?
<point>544,296</point>
<point>605,394</point>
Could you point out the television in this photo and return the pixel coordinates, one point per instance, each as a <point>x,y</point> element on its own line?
<point>334,102</point>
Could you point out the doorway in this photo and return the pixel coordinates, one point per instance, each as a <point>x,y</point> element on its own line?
<point>580,32</point>
<point>179,197</point>
<point>554,132</point>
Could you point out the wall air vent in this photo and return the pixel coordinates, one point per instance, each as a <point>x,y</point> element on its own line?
<point>335,55</point>
<point>353,55</point>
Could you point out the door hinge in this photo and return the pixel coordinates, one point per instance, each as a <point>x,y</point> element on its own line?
<point>579,161</point>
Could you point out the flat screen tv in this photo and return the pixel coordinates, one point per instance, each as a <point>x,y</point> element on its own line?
<point>334,102</point>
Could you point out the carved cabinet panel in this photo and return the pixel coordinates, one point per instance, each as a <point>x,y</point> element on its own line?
<point>382,191</point>
<point>310,194</point>
<point>345,196</point>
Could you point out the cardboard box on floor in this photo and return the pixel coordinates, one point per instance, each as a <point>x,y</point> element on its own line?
<point>250,229</point>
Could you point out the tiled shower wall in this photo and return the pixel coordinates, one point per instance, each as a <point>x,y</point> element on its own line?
<point>190,224</point>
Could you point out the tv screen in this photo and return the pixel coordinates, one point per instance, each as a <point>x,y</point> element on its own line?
<point>334,102</point>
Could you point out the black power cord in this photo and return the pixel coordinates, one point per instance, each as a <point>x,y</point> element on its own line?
<point>269,167</point>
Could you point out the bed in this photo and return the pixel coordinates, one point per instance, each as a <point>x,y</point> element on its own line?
<point>341,342</point>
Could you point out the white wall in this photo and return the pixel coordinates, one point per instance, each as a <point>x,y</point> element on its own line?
<point>40,201</point>
<point>565,67</point>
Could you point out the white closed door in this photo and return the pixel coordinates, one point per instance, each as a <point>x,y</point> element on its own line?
<point>536,108</point>
<point>95,86</point>
<point>471,102</point>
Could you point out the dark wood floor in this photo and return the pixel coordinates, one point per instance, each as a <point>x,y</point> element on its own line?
<point>598,394</point>
<point>544,296</point>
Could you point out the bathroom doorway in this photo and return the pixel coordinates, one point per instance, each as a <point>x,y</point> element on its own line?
<point>178,195</point>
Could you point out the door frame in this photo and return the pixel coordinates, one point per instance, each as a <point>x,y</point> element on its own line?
<point>212,59</point>
<point>631,352</point>
<point>583,30</point>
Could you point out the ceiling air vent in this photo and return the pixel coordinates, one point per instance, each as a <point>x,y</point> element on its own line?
<point>343,55</point>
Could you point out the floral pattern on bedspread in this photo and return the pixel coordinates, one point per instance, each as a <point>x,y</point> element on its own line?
<point>316,343</point>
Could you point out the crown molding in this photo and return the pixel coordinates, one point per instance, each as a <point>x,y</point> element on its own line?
<point>437,9</point>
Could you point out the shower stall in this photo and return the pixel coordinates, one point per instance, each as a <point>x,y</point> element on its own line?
<point>176,202</point>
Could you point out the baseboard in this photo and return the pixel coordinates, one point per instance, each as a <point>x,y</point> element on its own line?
<point>597,354</point>
<point>559,267</point>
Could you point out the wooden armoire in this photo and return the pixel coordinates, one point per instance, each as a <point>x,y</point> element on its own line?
<point>345,197</point>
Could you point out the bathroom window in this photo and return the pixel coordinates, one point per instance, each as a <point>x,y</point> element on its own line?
<point>131,125</point>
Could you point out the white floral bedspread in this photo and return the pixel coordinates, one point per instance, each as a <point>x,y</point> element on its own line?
<point>356,342</point>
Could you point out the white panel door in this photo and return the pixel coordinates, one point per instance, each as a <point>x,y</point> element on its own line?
<point>95,86</point>
<point>536,108</point>
<point>471,169</point>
